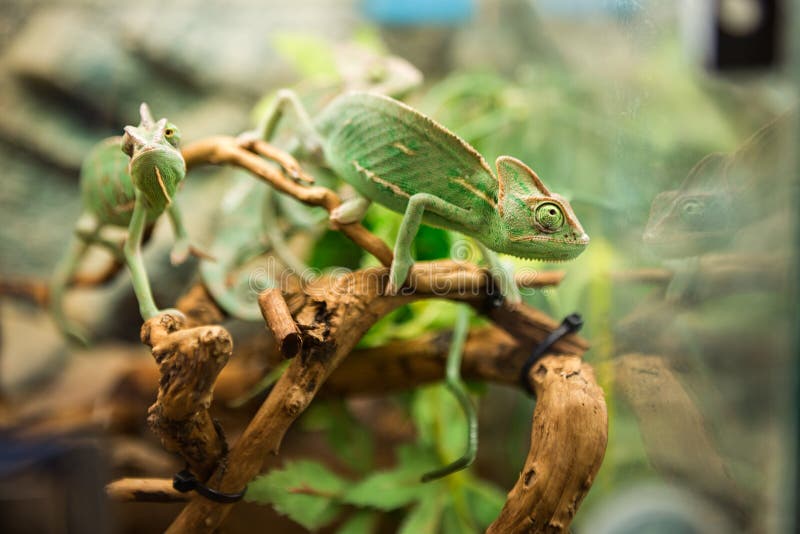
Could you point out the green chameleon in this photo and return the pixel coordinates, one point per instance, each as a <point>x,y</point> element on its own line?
<point>393,155</point>
<point>126,180</point>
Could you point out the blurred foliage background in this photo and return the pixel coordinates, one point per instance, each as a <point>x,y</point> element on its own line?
<point>599,99</point>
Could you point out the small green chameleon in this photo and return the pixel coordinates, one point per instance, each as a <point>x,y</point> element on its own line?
<point>126,180</point>
<point>394,155</point>
<point>256,220</point>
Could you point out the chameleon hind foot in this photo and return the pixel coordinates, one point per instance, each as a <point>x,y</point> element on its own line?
<point>398,273</point>
<point>351,210</point>
<point>503,275</point>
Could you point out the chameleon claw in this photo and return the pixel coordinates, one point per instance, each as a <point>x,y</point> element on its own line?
<point>247,138</point>
<point>76,334</point>
<point>398,275</point>
<point>180,252</point>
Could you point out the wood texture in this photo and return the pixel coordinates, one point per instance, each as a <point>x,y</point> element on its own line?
<point>568,441</point>
<point>279,319</point>
<point>144,490</point>
<point>189,360</point>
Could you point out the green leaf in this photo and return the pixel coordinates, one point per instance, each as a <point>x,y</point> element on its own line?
<point>485,500</point>
<point>305,491</point>
<point>425,517</point>
<point>333,249</point>
<point>369,37</point>
<point>398,487</point>
<point>363,522</point>
<point>440,421</point>
<point>347,436</point>
<point>454,522</point>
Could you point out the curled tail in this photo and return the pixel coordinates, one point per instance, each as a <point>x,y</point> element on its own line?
<point>240,298</point>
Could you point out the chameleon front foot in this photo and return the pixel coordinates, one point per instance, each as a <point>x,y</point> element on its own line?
<point>398,273</point>
<point>504,277</point>
<point>170,311</point>
<point>351,211</point>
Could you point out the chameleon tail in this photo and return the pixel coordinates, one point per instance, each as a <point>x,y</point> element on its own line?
<point>269,221</point>
<point>62,275</point>
<point>215,277</point>
<point>456,386</point>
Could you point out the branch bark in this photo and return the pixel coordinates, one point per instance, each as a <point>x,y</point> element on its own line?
<point>568,442</point>
<point>333,314</point>
<point>144,490</point>
<point>189,361</point>
<point>229,151</point>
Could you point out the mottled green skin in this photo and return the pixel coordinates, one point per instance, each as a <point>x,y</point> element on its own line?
<point>125,181</point>
<point>107,190</point>
<point>390,152</point>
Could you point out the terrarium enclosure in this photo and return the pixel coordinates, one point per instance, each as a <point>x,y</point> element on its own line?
<point>421,266</point>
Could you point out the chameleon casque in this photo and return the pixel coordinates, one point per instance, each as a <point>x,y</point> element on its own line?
<point>394,155</point>
<point>126,180</point>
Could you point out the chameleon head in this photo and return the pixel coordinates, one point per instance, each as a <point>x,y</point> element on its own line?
<point>156,165</point>
<point>536,224</point>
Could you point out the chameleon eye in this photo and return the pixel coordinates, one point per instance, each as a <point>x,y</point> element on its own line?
<point>692,210</point>
<point>549,216</point>
<point>172,135</point>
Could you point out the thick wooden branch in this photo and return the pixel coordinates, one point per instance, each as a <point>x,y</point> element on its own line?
<point>189,360</point>
<point>333,315</point>
<point>568,442</point>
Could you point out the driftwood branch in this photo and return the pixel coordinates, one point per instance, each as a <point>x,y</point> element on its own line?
<point>189,361</point>
<point>721,274</point>
<point>333,314</point>
<point>568,442</point>
<point>675,432</point>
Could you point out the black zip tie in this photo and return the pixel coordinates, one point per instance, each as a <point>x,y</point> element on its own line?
<point>185,482</point>
<point>571,324</point>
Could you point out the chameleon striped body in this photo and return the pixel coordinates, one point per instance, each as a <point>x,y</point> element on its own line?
<point>390,152</point>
